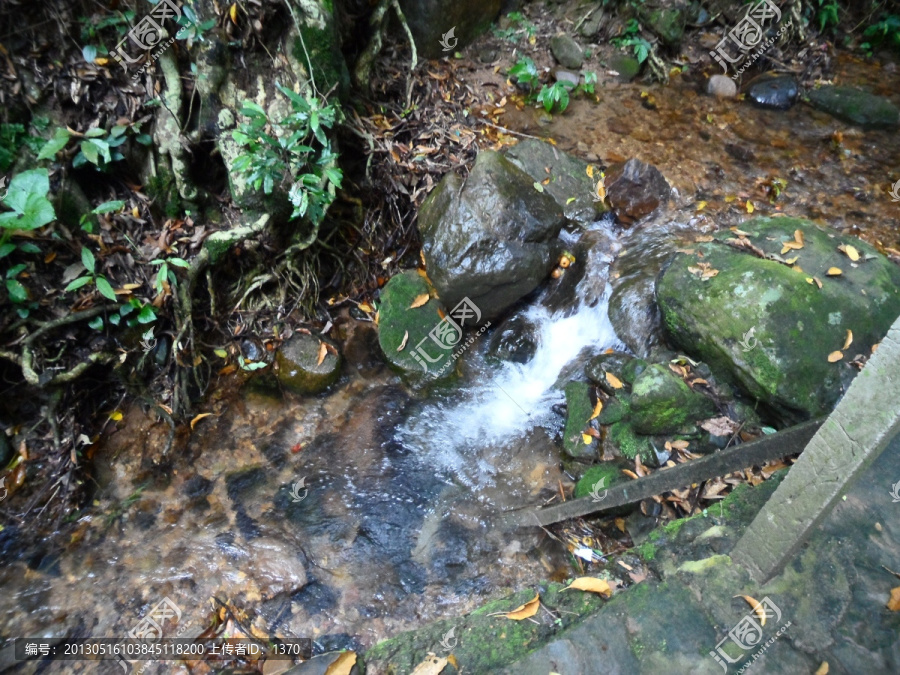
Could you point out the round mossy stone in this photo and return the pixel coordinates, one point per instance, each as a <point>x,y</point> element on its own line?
<point>299,369</point>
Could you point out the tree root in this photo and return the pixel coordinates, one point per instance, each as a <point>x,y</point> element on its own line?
<point>363,70</point>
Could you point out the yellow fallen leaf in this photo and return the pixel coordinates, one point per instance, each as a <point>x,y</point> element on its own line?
<point>834,272</point>
<point>432,665</point>
<point>591,585</point>
<point>755,605</point>
<point>135,213</point>
<point>323,352</point>
<point>848,340</point>
<point>342,665</point>
<point>749,206</point>
<point>198,418</point>
<point>366,307</point>
<point>614,381</point>
<point>403,341</point>
<point>630,474</point>
<point>894,603</point>
<point>116,416</point>
<point>525,611</point>
<point>101,60</point>
<point>232,13</point>
<point>791,261</point>
<point>420,300</point>
<point>849,251</point>
<point>834,357</point>
<point>590,170</point>
<point>790,246</point>
<point>586,438</point>
<point>701,205</point>
<point>822,669</point>
<point>818,283</point>
<point>798,236</point>
<point>597,409</point>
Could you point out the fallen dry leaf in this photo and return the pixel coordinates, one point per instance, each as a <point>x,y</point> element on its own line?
<point>756,606</point>
<point>586,439</point>
<point>630,474</point>
<point>894,603</point>
<point>420,300</point>
<point>403,341</point>
<point>591,585</point>
<point>342,665</point>
<point>720,426</point>
<point>366,307</point>
<point>848,340</point>
<point>849,251</point>
<point>822,669</point>
<point>323,352</point>
<point>198,418</point>
<point>432,665</point>
<point>614,381</point>
<point>525,611</point>
<point>834,272</point>
<point>597,409</point>
<point>798,236</point>
<point>834,357</point>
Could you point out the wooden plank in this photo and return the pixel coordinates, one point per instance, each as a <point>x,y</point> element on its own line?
<point>775,446</point>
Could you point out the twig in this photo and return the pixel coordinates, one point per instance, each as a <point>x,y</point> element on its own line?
<point>414,61</point>
<point>509,131</point>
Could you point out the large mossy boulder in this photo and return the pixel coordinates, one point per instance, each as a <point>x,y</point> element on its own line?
<point>661,402</point>
<point>402,327</point>
<point>299,367</point>
<point>431,20</point>
<point>570,185</point>
<point>855,106</point>
<point>489,238</point>
<point>765,323</point>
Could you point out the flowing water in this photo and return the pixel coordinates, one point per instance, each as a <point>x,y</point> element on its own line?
<point>391,527</point>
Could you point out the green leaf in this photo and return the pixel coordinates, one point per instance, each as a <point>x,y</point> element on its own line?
<point>144,139</point>
<point>15,271</point>
<point>27,197</point>
<point>108,207</point>
<point>77,283</point>
<point>105,289</point>
<point>6,249</point>
<point>55,144</point>
<point>88,260</point>
<point>146,315</point>
<point>17,292</point>
<point>91,152</point>
<point>96,323</point>
<point>115,319</point>
<point>179,262</point>
<point>27,247</point>
<point>221,353</point>
<point>95,132</point>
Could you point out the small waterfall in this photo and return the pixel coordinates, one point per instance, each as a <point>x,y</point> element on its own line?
<point>501,404</point>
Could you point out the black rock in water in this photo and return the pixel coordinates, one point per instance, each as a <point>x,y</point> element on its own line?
<point>777,92</point>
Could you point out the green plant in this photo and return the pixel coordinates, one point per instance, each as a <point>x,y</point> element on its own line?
<point>90,265</point>
<point>587,87</point>
<point>166,275</point>
<point>97,146</point>
<point>885,32</point>
<point>144,313</point>
<point>827,14</point>
<point>630,37</point>
<point>518,25</point>
<point>293,150</point>
<point>192,28</point>
<point>525,73</point>
<point>106,207</point>
<point>554,96</point>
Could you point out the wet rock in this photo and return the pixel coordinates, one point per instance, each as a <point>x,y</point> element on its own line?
<point>721,86</point>
<point>568,178</point>
<point>275,566</point>
<point>399,323</point>
<point>592,24</point>
<point>855,106</point>
<point>626,66</point>
<point>566,77</point>
<point>321,665</point>
<point>770,329</point>
<point>488,239</point>
<point>299,369</point>
<point>667,24</point>
<point>778,92</point>
<point>566,51</point>
<point>623,366</point>
<point>578,402</point>
<point>584,281</point>
<point>635,189</point>
<point>661,402</point>
<point>621,439</point>
<point>516,340</point>
<point>430,20</point>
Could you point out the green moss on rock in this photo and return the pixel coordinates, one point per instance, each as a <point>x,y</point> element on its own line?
<point>299,369</point>
<point>579,410</point>
<point>662,403</point>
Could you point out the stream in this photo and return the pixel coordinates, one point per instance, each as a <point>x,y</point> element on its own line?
<point>391,525</point>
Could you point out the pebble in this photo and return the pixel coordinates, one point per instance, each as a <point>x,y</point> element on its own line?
<point>721,86</point>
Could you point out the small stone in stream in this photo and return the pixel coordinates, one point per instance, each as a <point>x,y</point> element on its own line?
<point>516,340</point>
<point>579,411</point>
<point>721,86</point>
<point>855,106</point>
<point>299,369</point>
<point>740,152</point>
<point>777,92</point>
<point>566,77</point>
<point>626,66</point>
<point>566,51</point>
<point>488,55</point>
<point>635,189</point>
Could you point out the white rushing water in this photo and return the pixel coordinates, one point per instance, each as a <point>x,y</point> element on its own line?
<point>501,404</point>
